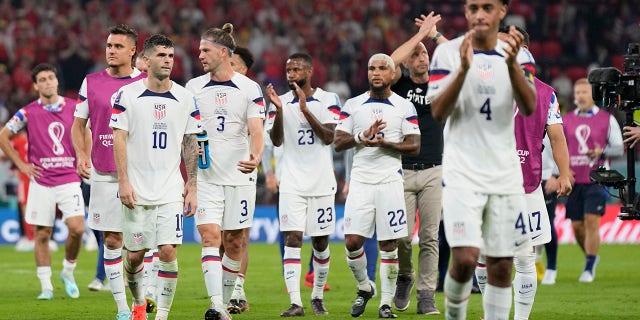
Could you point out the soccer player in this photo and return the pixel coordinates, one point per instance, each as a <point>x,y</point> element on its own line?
<point>382,126</point>
<point>422,174</point>
<point>51,167</point>
<point>546,120</point>
<point>232,109</point>
<point>95,102</point>
<point>474,81</point>
<point>304,126</point>
<point>593,136</point>
<point>241,62</point>
<point>152,120</point>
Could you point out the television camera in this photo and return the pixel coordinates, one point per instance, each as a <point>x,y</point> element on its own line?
<point>620,90</point>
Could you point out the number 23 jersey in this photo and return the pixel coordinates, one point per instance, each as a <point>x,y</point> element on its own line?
<point>225,108</point>
<point>479,141</point>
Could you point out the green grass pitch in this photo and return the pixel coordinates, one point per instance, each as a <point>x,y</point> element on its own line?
<point>615,294</point>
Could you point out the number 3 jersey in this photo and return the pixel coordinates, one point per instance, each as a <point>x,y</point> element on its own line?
<point>156,123</point>
<point>479,142</point>
<point>306,166</point>
<point>225,108</point>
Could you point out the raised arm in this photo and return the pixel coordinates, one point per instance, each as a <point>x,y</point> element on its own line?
<point>277,130</point>
<point>427,29</point>
<point>324,131</point>
<point>524,90</point>
<point>442,105</point>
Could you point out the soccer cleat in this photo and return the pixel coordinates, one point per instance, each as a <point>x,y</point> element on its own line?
<point>237,306</point>
<point>70,286</point>
<point>216,314</point>
<point>426,303</point>
<point>308,281</point>
<point>385,312</point>
<point>45,295</point>
<point>361,302</point>
<point>123,315</point>
<point>293,311</point>
<point>317,305</point>
<point>151,303</point>
<point>139,312</point>
<point>402,298</point>
<point>539,270</point>
<point>96,285</point>
<point>549,277</point>
<point>586,276</point>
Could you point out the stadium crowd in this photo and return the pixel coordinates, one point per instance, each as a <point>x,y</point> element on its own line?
<point>567,36</point>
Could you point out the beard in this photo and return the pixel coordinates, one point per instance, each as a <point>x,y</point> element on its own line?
<point>301,83</point>
<point>378,89</point>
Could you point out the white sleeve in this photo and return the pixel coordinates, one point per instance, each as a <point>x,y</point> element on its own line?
<point>256,102</point>
<point>119,115</point>
<point>82,107</point>
<point>271,118</point>
<point>440,72</point>
<point>554,116</point>
<point>615,145</point>
<point>345,123</point>
<point>193,124</point>
<point>331,114</point>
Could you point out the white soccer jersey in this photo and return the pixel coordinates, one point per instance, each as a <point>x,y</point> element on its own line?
<point>225,108</point>
<point>157,123</point>
<point>374,165</point>
<point>479,140</point>
<point>306,167</point>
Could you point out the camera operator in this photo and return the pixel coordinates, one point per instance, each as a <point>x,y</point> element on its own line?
<point>591,134</point>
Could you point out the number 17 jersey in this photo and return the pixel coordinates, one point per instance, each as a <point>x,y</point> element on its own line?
<point>479,141</point>
<point>225,108</point>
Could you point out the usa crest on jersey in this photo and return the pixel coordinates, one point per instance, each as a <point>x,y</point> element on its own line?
<point>160,111</point>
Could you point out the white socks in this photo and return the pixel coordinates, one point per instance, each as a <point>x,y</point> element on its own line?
<point>292,269</point>
<point>167,282</point>
<point>321,268</point>
<point>457,298</point>
<point>136,285</point>
<point>496,303</point>
<point>44,274</point>
<point>230,269</point>
<point>357,261</point>
<point>525,285</point>
<point>212,270</point>
<point>388,276</point>
<point>113,269</point>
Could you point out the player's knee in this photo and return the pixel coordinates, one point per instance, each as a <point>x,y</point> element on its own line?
<point>525,263</point>
<point>387,245</point>
<point>352,243</point>
<point>293,239</point>
<point>113,240</point>
<point>320,243</point>
<point>43,234</point>
<point>167,252</point>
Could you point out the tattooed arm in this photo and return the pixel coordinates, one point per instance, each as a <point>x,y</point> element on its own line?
<point>190,157</point>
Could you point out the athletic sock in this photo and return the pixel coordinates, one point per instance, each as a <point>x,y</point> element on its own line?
<point>496,303</point>
<point>135,279</point>
<point>525,285</point>
<point>44,274</point>
<point>292,270</point>
<point>321,266</point>
<point>113,269</point>
<point>388,275</point>
<point>230,269</point>
<point>167,282</point>
<point>456,298</point>
<point>212,270</point>
<point>357,261</point>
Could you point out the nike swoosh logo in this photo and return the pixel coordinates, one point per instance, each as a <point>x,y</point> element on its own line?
<point>535,237</point>
<point>178,236</point>
<point>324,227</point>
<point>519,243</point>
<point>397,230</point>
<point>243,221</point>
<point>525,292</point>
<point>289,277</point>
<point>199,126</point>
<point>114,120</point>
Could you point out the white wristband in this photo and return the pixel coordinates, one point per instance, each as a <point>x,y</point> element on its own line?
<point>357,137</point>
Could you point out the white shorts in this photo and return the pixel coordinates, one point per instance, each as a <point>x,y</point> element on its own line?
<point>42,201</point>
<point>378,206</point>
<point>316,216</point>
<point>537,224</point>
<point>105,208</point>
<point>230,207</point>
<point>149,226</point>
<point>483,221</point>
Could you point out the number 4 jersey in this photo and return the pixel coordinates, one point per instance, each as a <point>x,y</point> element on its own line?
<point>225,108</point>
<point>479,141</point>
<point>306,166</point>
